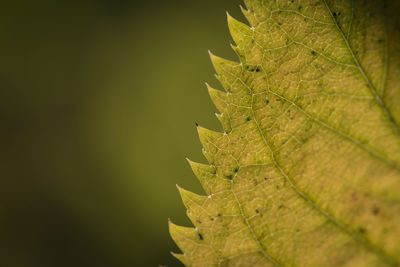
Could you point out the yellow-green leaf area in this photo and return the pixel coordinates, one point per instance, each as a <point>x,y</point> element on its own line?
<point>307,170</point>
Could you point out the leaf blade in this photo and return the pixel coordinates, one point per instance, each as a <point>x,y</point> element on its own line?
<point>310,153</point>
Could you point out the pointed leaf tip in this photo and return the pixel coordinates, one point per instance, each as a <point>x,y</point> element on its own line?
<point>227,14</point>
<point>177,186</point>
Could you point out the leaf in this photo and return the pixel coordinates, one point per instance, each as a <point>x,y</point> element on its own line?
<point>307,172</point>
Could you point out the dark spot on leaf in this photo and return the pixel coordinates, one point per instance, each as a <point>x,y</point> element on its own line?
<point>248,119</point>
<point>257,211</point>
<point>313,52</point>
<point>334,14</point>
<point>236,169</point>
<point>380,40</point>
<point>300,7</point>
<point>265,178</point>
<point>354,197</point>
<point>279,23</point>
<point>198,221</point>
<point>230,177</point>
<point>277,187</point>
<point>266,101</point>
<point>257,69</point>
<point>375,211</point>
<point>211,219</point>
<point>362,230</point>
<point>219,215</point>
<point>280,206</point>
<point>200,236</point>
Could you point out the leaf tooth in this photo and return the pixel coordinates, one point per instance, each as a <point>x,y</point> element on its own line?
<point>240,32</point>
<point>249,15</point>
<point>193,245</point>
<point>201,210</point>
<point>190,199</point>
<point>182,258</point>
<point>221,65</point>
<point>205,173</point>
<point>184,237</point>
<point>239,53</point>
<point>226,69</point>
<point>245,11</point>
<point>220,99</point>
<point>225,121</point>
<point>177,231</point>
<point>209,139</point>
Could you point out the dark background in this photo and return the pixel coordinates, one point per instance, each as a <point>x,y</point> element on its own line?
<point>98,106</point>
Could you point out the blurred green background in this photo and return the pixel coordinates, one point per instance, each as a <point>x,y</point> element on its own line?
<point>99,101</point>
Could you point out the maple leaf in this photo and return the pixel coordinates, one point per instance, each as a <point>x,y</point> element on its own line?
<point>307,172</point>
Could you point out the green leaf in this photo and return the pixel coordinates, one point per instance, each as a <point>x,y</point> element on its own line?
<point>307,172</point>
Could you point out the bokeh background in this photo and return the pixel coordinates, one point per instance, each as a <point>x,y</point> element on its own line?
<point>98,106</point>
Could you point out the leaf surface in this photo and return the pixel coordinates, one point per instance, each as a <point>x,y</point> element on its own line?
<point>307,172</point>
